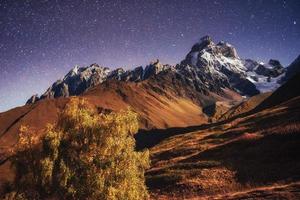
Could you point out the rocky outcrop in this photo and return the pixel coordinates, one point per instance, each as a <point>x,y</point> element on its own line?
<point>137,74</point>
<point>272,69</point>
<point>77,81</point>
<point>155,68</point>
<point>116,74</point>
<point>34,98</point>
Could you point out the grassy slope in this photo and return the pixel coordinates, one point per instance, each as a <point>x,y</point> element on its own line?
<point>245,106</point>
<point>254,151</point>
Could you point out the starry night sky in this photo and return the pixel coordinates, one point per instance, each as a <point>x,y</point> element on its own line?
<point>41,40</point>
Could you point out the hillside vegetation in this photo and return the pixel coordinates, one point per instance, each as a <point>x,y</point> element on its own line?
<point>84,156</point>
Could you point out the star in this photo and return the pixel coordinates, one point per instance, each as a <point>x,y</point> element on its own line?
<point>50,37</point>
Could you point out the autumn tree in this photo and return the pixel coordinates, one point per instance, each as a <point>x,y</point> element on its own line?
<point>87,155</point>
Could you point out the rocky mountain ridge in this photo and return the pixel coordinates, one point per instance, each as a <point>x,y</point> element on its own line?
<point>207,67</point>
<point>80,79</point>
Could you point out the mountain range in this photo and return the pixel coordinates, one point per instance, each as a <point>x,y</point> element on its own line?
<point>207,67</point>
<point>217,126</point>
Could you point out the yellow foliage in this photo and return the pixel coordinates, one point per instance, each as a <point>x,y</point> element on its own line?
<point>27,138</point>
<point>92,156</point>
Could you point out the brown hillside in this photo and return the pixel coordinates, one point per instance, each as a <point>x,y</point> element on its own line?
<point>259,150</point>
<point>245,106</point>
<point>161,102</point>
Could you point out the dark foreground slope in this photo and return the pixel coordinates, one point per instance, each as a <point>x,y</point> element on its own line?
<point>255,156</point>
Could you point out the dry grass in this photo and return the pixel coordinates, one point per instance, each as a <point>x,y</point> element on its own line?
<point>286,129</point>
<point>247,153</point>
<point>276,191</point>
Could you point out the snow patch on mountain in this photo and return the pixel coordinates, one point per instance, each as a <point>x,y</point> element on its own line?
<point>265,84</point>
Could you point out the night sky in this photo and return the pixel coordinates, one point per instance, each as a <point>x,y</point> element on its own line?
<point>41,40</point>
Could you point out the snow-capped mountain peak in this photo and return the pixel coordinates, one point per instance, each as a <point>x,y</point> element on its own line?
<point>208,66</point>
<point>221,63</point>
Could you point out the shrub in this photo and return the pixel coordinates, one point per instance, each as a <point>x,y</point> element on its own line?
<point>87,156</point>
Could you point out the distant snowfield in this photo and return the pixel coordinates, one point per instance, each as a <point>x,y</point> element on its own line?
<point>263,85</point>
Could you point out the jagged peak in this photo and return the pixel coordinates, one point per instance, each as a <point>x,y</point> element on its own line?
<point>206,39</point>
<point>275,63</point>
<point>72,72</point>
<point>224,43</point>
<point>75,69</point>
<point>138,68</point>
<point>117,71</point>
<point>202,44</point>
<point>155,62</point>
<point>223,47</point>
<point>34,98</point>
<point>94,65</point>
